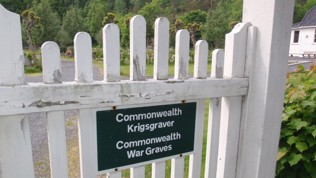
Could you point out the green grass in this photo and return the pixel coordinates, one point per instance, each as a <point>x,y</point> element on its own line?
<point>149,69</point>
<point>34,74</point>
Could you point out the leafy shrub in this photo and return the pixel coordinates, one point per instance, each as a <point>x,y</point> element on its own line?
<point>33,69</point>
<point>97,54</point>
<point>297,150</point>
<point>34,65</point>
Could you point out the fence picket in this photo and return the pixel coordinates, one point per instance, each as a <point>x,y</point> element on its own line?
<point>138,172</point>
<point>111,61</point>
<point>180,72</point>
<point>15,142</point>
<point>114,175</point>
<point>200,72</point>
<point>200,59</point>
<point>217,63</point>
<point>87,165</point>
<point>55,119</point>
<point>214,118</point>
<point>158,170</point>
<point>138,48</point>
<point>111,53</point>
<point>196,157</point>
<point>57,144</point>
<point>235,54</point>
<point>51,63</point>
<point>177,167</point>
<point>15,147</point>
<point>83,57</point>
<point>161,55</point>
<point>11,51</point>
<point>182,55</point>
<point>161,48</point>
<point>138,64</point>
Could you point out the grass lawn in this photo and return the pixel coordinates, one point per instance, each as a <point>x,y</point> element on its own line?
<point>149,69</point>
<point>124,69</point>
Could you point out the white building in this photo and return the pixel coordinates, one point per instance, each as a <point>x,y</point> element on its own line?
<point>303,36</point>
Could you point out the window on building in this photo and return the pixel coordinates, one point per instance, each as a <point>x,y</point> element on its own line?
<point>315,36</point>
<point>296,36</point>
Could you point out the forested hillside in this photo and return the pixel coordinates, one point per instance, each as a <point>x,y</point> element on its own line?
<point>60,20</point>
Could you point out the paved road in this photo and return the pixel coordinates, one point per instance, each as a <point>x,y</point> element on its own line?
<point>38,123</point>
<point>68,73</point>
<point>294,61</point>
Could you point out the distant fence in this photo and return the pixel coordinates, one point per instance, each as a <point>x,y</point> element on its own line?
<point>127,123</point>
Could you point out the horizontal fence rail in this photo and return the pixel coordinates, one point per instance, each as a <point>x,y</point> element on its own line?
<point>224,89</point>
<point>39,97</point>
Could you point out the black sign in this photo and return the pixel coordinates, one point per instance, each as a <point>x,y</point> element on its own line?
<point>129,136</point>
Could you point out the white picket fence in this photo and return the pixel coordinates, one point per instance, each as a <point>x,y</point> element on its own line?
<point>227,88</point>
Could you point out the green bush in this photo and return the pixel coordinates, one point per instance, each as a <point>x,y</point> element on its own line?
<point>35,65</point>
<point>97,54</point>
<point>297,149</point>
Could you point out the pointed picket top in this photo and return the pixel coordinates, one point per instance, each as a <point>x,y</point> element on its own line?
<point>51,63</point>
<point>161,48</point>
<point>182,55</point>
<point>11,51</point>
<point>235,51</point>
<point>138,48</point>
<point>111,52</point>
<point>83,57</point>
<point>200,59</point>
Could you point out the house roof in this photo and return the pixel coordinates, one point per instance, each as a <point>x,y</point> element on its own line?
<point>308,20</point>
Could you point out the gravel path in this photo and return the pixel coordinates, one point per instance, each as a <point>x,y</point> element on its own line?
<point>38,124</point>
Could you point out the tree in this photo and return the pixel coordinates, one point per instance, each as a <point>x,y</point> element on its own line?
<point>109,18</point>
<point>219,21</point>
<point>193,21</point>
<point>30,21</point>
<point>62,6</point>
<point>301,8</point>
<point>179,24</point>
<point>73,22</point>
<point>17,6</point>
<point>136,5</point>
<point>194,16</point>
<point>123,23</point>
<point>110,4</point>
<point>50,22</point>
<point>151,11</point>
<point>193,28</point>
<point>120,6</point>
<point>95,13</point>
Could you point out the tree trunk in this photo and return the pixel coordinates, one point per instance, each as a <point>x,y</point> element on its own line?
<point>30,43</point>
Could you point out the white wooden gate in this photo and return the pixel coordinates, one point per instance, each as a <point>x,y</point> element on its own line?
<point>235,91</point>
